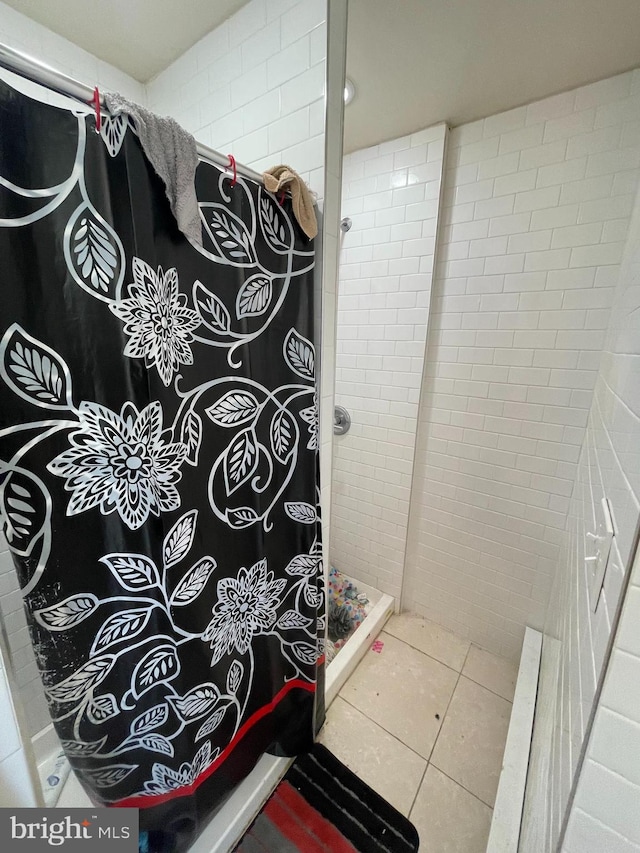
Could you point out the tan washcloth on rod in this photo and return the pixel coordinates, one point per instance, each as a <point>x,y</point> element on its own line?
<point>281,178</point>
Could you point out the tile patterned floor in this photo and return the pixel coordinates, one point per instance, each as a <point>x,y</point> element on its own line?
<point>424,722</point>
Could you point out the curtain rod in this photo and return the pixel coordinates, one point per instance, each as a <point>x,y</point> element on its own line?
<point>38,72</point>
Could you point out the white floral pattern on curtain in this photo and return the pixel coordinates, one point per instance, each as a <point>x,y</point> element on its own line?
<point>159,478</point>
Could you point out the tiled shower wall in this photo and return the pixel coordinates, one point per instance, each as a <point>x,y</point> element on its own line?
<point>605,813</point>
<point>255,87</point>
<point>391,192</point>
<point>536,210</point>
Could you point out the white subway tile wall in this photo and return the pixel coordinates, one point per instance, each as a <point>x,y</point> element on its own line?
<point>255,87</point>
<point>391,192</point>
<point>22,33</point>
<point>605,813</point>
<point>537,204</point>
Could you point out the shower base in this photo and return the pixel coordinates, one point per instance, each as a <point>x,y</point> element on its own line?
<point>349,604</point>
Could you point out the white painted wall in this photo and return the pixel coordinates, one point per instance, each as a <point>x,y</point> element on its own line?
<point>536,210</point>
<point>391,192</point>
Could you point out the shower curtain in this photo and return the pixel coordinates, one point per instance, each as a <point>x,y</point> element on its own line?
<point>158,481</point>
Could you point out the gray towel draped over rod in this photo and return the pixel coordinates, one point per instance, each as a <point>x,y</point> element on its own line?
<point>38,72</point>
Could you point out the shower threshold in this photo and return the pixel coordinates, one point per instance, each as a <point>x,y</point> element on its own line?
<point>379,609</point>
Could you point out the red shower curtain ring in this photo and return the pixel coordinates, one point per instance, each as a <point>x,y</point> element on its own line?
<point>233,165</point>
<point>96,105</point>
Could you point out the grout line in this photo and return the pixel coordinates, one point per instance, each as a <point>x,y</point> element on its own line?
<point>455,781</point>
<point>441,727</point>
<point>466,657</point>
<point>444,717</point>
<point>422,652</point>
<point>413,802</point>
<point>380,726</point>
<point>385,630</point>
<point>461,670</point>
<point>488,689</point>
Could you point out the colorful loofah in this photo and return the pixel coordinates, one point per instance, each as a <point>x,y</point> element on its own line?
<point>351,603</point>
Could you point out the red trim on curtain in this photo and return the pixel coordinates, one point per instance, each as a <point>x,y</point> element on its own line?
<point>150,800</point>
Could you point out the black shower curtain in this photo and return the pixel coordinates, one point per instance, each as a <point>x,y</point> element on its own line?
<point>158,480</point>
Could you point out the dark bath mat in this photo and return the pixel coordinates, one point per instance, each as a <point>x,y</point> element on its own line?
<point>322,807</point>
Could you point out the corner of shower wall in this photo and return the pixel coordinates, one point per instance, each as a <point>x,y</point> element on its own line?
<point>392,193</point>
<point>20,32</point>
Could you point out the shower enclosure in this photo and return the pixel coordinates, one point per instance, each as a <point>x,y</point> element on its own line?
<point>484,345</point>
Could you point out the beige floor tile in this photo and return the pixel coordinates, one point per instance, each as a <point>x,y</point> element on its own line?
<point>471,743</point>
<point>448,818</point>
<point>496,674</point>
<point>375,756</point>
<point>402,690</point>
<point>429,638</point>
